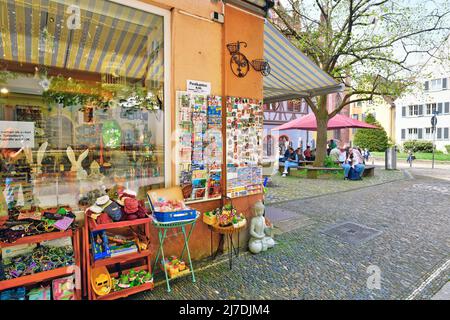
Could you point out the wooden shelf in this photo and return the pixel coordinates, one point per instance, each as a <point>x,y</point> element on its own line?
<point>38,238</point>
<point>37,277</point>
<point>120,224</point>
<point>121,259</point>
<point>126,292</point>
<point>89,264</point>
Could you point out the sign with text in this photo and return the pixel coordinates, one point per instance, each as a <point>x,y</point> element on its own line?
<point>194,86</point>
<point>16,134</point>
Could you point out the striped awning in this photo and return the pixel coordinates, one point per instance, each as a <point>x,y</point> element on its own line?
<point>112,39</point>
<point>293,75</point>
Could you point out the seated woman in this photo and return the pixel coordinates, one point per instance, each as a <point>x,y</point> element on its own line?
<point>307,153</point>
<point>299,153</point>
<point>285,157</point>
<point>356,161</point>
<point>292,161</point>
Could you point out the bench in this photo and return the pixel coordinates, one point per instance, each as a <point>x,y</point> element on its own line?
<point>301,165</point>
<point>369,171</point>
<point>312,172</point>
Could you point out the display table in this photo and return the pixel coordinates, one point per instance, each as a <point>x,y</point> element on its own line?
<point>226,232</point>
<point>163,227</point>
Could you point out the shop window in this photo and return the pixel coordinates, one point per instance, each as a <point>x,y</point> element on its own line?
<point>86,100</point>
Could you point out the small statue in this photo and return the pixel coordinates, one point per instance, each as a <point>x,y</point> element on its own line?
<point>259,240</point>
<point>95,171</point>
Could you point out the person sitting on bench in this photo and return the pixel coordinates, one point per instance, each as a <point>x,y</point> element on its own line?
<point>355,160</point>
<point>292,161</point>
<point>299,153</point>
<point>285,157</point>
<point>307,153</point>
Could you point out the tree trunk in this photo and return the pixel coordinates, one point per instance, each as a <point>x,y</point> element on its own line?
<point>322,123</point>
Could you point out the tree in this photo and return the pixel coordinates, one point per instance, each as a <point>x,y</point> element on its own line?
<point>368,45</point>
<point>372,139</point>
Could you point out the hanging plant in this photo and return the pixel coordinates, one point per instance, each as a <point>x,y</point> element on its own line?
<point>7,75</point>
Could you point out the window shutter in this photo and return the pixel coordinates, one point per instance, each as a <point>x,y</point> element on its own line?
<point>403,111</point>
<point>447,107</point>
<point>439,107</point>
<point>439,133</point>
<point>403,134</point>
<point>446,133</point>
<point>419,134</point>
<point>427,85</point>
<point>420,109</point>
<point>444,83</point>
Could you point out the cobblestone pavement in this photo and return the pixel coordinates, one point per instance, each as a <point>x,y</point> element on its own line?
<point>412,214</point>
<point>289,188</point>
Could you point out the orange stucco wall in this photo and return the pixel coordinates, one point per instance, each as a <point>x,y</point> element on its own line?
<point>199,53</point>
<point>240,26</point>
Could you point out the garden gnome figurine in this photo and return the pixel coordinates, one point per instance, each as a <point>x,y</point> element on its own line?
<point>259,241</point>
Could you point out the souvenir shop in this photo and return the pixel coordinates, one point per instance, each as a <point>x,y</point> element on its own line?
<point>129,146</point>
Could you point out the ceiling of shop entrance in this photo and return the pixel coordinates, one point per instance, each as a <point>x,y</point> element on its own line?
<point>109,38</point>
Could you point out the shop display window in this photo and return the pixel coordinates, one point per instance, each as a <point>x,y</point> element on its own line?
<point>82,101</point>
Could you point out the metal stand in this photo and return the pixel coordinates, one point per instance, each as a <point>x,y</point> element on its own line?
<point>162,233</point>
<point>232,249</point>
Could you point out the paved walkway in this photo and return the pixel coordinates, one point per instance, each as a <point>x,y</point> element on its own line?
<point>411,250</point>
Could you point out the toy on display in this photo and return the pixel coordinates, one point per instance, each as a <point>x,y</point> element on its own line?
<point>124,207</point>
<point>174,266</point>
<point>199,119</point>
<point>101,281</point>
<point>131,279</point>
<point>14,294</point>
<point>225,217</point>
<point>100,245</point>
<point>63,288</point>
<point>168,205</point>
<point>244,132</point>
<point>40,293</point>
<point>34,260</point>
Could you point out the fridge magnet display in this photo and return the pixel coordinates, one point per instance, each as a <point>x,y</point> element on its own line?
<point>244,132</point>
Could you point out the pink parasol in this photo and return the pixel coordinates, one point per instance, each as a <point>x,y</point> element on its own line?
<point>339,121</point>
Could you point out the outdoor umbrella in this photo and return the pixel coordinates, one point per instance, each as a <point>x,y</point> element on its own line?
<point>339,121</point>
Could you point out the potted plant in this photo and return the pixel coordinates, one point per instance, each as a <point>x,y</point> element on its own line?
<point>235,222</point>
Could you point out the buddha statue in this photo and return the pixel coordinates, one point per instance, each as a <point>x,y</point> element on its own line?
<point>259,240</point>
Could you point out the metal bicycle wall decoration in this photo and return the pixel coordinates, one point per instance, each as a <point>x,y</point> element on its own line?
<point>239,63</point>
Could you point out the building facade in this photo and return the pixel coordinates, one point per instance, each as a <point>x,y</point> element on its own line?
<point>415,110</point>
<point>93,91</point>
<point>276,114</point>
<point>381,109</point>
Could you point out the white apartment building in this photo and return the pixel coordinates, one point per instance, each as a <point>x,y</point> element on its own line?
<point>415,109</point>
